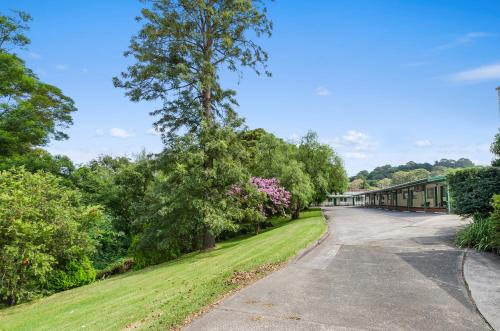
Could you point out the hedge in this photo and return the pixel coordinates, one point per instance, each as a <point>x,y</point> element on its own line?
<point>472,189</point>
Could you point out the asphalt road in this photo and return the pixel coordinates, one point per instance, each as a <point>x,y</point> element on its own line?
<point>378,270</point>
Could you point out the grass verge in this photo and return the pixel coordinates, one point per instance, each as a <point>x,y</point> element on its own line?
<point>163,296</point>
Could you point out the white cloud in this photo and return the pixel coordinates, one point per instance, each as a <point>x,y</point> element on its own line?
<point>354,145</point>
<point>61,67</point>
<point>120,133</point>
<point>355,140</point>
<point>463,40</point>
<point>484,73</point>
<point>423,143</point>
<point>322,91</point>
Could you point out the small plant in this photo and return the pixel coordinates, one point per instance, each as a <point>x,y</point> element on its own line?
<point>476,235</point>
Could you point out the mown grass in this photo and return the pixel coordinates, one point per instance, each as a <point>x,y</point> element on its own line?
<point>163,296</point>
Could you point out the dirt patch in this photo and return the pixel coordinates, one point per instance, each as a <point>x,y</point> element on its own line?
<point>244,278</point>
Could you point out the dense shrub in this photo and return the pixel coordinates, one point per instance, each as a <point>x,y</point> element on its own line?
<point>495,223</point>
<point>43,228</point>
<point>472,189</point>
<point>118,267</point>
<point>484,232</point>
<point>75,273</point>
<point>476,235</point>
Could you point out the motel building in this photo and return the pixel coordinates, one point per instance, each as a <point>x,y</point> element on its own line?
<point>425,195</point>
<point>350,198</point>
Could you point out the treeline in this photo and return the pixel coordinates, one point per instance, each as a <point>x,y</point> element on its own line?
<point>85,222</point>
<point>387,175</point>
<point>64,225</point>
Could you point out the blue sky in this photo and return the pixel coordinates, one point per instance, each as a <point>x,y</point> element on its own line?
<point>381,81</point>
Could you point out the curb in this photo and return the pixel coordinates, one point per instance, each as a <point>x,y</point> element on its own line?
<point>469,293</point>
<point>318,242</point>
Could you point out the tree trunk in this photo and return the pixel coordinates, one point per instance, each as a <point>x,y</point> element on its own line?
<point>296,214</point>
<point>12,300</point>
<point>208,239</point>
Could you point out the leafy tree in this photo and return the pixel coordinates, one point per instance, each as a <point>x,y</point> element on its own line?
<point>43,234</point>
<point>298,183</point>
<point>40,159</point>
<point>402,177</point>
<point>439,171</point>
<point>118,184</point>
<point>12,30</point>
<point>359,184</point>
<point>31,112</point>
<point>338,180</point>
<point>269,153</point>
<point>356,184</point>
<point>383,183</point>
<point>188,201</point>
<point>323,166</point>
<point>250,204</point>
<point>179,53</point>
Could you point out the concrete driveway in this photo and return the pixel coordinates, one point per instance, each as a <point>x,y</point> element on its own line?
<point>378,270</point>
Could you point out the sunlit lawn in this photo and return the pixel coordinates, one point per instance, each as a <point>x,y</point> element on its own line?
<point>164,295</point>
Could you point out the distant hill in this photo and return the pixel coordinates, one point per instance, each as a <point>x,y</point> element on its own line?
<point>388,175</point>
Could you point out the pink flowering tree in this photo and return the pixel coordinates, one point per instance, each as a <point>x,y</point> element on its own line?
<point>278,198</point>
<point>259,199</point>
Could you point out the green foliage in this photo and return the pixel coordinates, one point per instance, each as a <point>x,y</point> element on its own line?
<point>31,112</point>
<point>119,266</point>
<point>43,227</point>
<point>402,177</point>
<point>317,166</point>
<point>472,189</point>
<point>176,288</point>
<point>249,202</point>
<point>483,233</point>
<point>438,168</point>
<point>383,183</point>
<point>179,52</point>
<point>75,273</point>
<point>495,223</point>
<point>12,30</point>
<point>110,245</point>
<point>187,199</point>
<point>298,183</point>
<point>476,234</point>
<point>118,184</point>
<point>39,159</point>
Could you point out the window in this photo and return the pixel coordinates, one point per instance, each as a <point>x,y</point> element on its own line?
<point>430,193</point>
<point>405,195</point>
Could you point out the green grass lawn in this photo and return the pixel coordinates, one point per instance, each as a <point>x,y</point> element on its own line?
<point>164,295</point>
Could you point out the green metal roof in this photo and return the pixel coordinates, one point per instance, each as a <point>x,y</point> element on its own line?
<point>417,182</point>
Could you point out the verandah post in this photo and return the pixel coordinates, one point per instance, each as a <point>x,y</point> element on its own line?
<point>425,198</point>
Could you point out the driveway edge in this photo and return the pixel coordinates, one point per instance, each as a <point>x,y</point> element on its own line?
<point>481,274</point>
<point>318,242</point>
